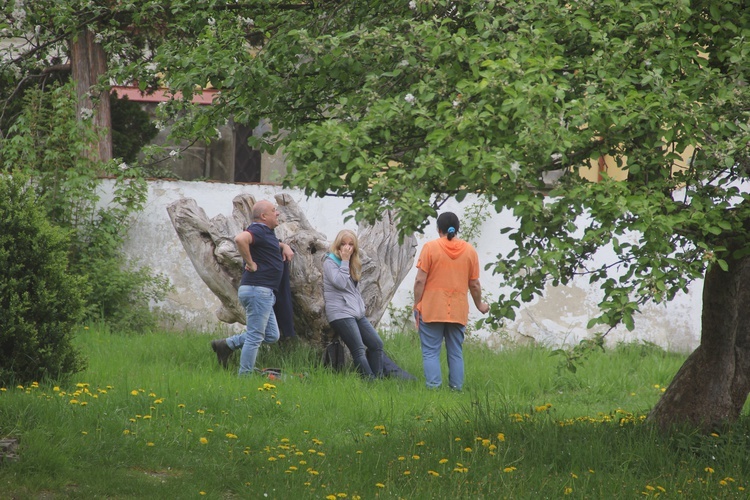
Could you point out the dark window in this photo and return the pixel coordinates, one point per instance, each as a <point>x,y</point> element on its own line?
<point>246,159</point>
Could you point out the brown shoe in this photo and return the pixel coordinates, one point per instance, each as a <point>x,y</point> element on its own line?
<point>222,350</point>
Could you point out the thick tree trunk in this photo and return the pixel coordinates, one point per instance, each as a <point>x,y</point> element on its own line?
<point>88,62</point>
<point>210,247</point>
<point>712,385</point>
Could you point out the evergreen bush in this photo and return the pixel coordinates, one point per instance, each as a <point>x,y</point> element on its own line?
<point>40,300</point>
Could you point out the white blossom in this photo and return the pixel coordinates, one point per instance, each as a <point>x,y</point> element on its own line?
<point>211,21</point>
<point>456,103</point>
<point>555,156</point>
<point>123,166</point>
<point>515,168</point>
<point>410,99</point>
<point>86,113</point>
<point>173,153</point>
<point>413,5</point>
<point>403,62</point>
<point>248,21</point>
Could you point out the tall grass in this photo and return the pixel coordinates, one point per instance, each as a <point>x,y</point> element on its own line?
<point>154,416</point>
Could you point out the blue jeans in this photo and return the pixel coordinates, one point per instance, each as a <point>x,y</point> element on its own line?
<point>261,328</point>
<point>356,334</point>
<point>432,336</point>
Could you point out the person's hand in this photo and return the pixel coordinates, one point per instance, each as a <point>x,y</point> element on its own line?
<point>346,251</point>
<point>483,307</point>
<point>287,253</point>
<point>251,266</point>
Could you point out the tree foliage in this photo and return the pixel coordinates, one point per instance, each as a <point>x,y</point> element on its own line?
<point>403,105</point>
<point>41,302</point>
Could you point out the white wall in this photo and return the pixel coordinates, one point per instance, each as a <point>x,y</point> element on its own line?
<point>559,317</point>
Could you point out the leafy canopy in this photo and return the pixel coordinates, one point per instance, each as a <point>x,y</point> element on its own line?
<point>404,105</point>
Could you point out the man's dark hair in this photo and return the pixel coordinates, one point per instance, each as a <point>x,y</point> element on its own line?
<point>448,224</point>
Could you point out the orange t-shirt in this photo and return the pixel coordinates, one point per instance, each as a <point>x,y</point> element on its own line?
<point>449,265</point>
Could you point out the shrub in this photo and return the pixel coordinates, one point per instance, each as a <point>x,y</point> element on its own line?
<point>40,300</point>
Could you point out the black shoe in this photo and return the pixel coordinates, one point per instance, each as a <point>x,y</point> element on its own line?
<point>222,350</point>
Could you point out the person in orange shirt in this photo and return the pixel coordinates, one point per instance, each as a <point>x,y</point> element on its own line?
<point>448,269</point>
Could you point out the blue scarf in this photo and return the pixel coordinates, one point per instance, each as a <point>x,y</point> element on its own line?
<point>333,257</point>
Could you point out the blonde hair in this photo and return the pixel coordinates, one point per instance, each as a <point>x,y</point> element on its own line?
<point>355,265</point>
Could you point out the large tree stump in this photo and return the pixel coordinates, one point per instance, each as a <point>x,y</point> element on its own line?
<point>210,247</point>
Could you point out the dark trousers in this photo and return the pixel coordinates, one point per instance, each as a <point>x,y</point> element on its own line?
<point>363,342</point>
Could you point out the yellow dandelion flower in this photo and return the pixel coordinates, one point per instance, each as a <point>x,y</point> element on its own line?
<point>660,488</point>
<point>331,497</point>
<point>709,470</point>
<point>457,439</point>
<point>723,482</point>
<point>509,469</point>
<point>380,485</point>
<point>468,449</point>
<point>573,475</point>
<point>568,490</point>
<point>367,434</point>
<point>84,433</point>
<point>359,452</point>
<point>341,495</point>
<point>443,461</point>
<point>19,387</point>
<point>293,468</point>
<point>415,457</point>
<point>650,488</point>
<point>202,493</point>
<point>433,473</point>
<point>284,440</point>
<point>134,392</point>
<point>147,417</point>
<point>492,447</point>
<point>421,443</point>
<point>713,434</point>
<point>501,437</point>
<point>203,440</point>
<point>74,401</point>
<point>407,472</point>
<point>401,459</point>
<point>126,432</point>
<point>741,488</point>
<point>150,444</point>
<point>231,436</point>
<point>180,406</point>
<point>54,389</point>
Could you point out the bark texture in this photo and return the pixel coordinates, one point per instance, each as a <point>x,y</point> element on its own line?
<point>88,63</point>
<point>211,249</point>
<point>712,385</point>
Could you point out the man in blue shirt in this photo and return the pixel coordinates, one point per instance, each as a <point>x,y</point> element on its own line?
<point>264,258</point>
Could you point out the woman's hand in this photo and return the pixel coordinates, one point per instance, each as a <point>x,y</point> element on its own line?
<point>346,251</point>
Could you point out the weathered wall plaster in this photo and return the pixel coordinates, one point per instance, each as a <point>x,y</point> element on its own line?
<point>558,317</point>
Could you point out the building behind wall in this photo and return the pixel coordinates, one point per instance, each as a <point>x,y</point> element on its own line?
<point>228,158</point>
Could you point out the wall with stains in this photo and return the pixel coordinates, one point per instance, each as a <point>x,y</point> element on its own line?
<point>560,317</point>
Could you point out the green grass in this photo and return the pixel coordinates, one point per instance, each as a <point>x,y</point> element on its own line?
<point>154,416</point>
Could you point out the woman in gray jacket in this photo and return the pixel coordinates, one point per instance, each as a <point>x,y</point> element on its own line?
<point>345,308</point>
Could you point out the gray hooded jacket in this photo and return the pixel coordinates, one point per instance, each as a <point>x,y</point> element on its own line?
<point>342,297</point>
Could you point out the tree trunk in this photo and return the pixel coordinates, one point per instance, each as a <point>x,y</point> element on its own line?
<point>712,385</point>
<point>210,247</point>
<point>88,62</point>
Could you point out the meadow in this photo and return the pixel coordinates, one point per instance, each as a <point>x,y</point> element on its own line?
<point>154,416</point>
